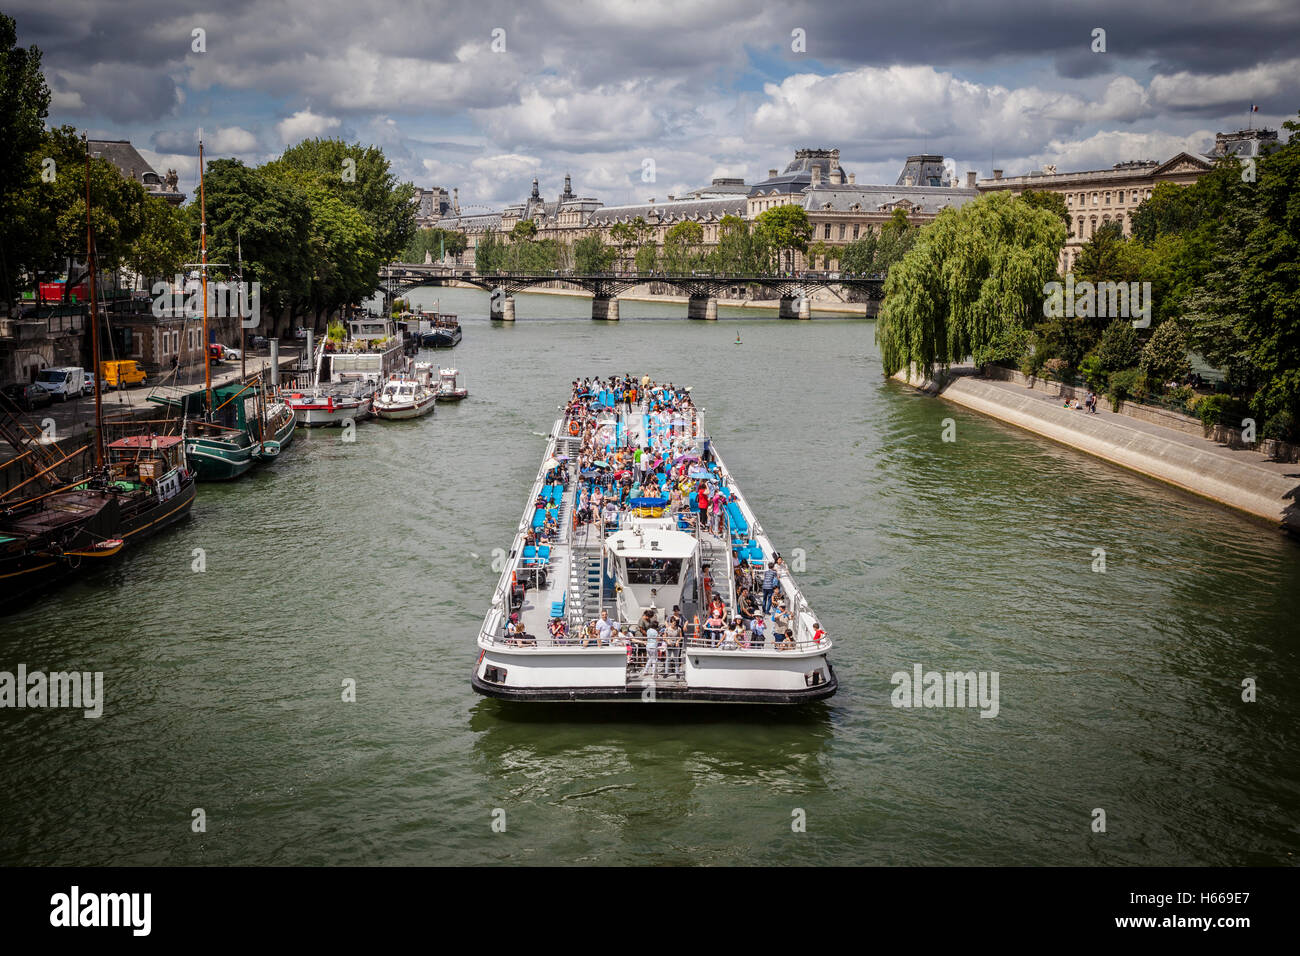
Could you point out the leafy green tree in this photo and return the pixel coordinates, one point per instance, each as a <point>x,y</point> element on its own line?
<point>436,242</point>
<point>591,255</point>
<point>525,230</point>
<point>682,247</point>
<point>1164,357</point>
<point>818,252</point>
<point>54,212</point>
<point>266,216</point>
<point>786,229</point>
<point>630,235</point>
<point>647,259</point>
<point>489,254</point>
<point>1245,318</point>
<point>1119,347</point>
<point>362,177</point>
<point>164,244</point>
<point>1052,202</point>
<point>974,274</point>
<point>859,256</point>
<point>24,104</point>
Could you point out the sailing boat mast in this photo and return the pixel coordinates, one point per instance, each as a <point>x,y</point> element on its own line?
<point>94,322</point>
<point>203,275</point>
<point>243,344</point>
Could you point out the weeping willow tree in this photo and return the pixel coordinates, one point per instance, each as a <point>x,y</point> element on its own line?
<point>975,275</point>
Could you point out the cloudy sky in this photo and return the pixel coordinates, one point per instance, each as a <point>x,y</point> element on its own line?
<point>486,95</point>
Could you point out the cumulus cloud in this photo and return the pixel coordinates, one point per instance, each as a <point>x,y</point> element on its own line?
<point>305,124</point>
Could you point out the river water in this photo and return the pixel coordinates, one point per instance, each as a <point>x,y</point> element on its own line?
<point>371,562</point>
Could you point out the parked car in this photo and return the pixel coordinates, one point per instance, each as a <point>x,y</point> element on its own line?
<point>231,354</point>
<point>259,342</point>
<point>300,332</point>
<point>88,386</point>
<point>62,383</point>
<point>28,397</point>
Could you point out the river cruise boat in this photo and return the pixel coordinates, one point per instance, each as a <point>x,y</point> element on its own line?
<point>586,579</point>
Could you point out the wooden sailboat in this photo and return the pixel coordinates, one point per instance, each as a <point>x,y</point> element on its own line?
<point>139,485</point>
<point>230,427</point>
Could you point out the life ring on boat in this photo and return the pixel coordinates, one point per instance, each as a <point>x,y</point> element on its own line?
<point>573,427</point>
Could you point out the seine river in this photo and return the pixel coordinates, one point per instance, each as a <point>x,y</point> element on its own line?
<point>371,562</point>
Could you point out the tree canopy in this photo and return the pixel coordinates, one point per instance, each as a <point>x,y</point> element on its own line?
<point>974,275</point>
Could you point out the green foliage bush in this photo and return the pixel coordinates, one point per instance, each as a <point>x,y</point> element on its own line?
<point>1164,357</point>
<point>1008,349</point>
<point>1222,410</point>
<point>1119,347</point>
<point>1125,384</point>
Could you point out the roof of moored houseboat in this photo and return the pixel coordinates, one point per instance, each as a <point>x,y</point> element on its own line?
<point>146,441</point>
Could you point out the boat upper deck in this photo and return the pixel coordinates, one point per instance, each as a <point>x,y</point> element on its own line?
<point>634,457</point>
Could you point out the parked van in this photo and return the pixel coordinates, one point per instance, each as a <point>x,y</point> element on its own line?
<point>62,383</point>
<point>121,373</point>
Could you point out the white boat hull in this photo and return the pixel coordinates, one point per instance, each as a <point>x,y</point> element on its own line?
<point>400,412</point>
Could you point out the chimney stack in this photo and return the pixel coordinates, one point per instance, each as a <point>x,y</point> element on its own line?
<point>853,178</point>
<point>970,179</point>
<point>816,176</point>
<point>771,174</point>
<point>837,176</point>
<point>908,181</point>
<point>997,174</point>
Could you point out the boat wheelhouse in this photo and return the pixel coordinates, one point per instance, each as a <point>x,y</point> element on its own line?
<point>348,373</point>
<point>593,569</point>
<point>449,390</point>
<point>435,330</point>
<point>241,428</point>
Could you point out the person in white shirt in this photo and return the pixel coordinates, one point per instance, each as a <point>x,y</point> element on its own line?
<point>730,639</point>
<point>604,628</point>
<point>651,653</point>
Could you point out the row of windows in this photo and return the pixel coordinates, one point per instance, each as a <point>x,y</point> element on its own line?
<point>1103,197</point>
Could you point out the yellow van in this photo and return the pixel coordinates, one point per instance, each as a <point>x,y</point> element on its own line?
<point>121,373</point>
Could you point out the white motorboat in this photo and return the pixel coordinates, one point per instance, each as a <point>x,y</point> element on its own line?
<point>449,390</point>
<point>405,397</point>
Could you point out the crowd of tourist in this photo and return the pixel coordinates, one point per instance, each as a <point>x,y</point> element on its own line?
<point>664,464</point>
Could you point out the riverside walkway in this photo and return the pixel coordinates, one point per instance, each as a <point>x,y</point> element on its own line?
<point>1241,478</point>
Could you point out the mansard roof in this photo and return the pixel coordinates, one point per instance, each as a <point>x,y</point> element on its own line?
<point>699,210</point>
<point>928,199</point>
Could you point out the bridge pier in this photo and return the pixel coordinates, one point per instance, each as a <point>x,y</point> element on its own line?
<point>502,308</point>
<point>604,309</point>
<point>701,307</point>
<point>795,308</point>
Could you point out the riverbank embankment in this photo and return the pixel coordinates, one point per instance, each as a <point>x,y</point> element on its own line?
<point>1240,478</point>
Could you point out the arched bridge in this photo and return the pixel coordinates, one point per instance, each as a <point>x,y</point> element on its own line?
<point>702,290</point>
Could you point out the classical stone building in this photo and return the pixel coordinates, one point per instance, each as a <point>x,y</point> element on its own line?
<point>839,209</point>
<point>1097,197</point>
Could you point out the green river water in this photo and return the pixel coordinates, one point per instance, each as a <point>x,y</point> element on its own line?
<point>371,561</point>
